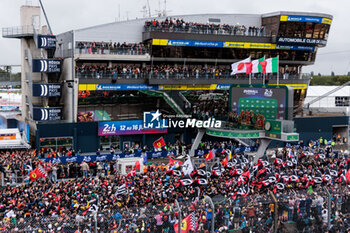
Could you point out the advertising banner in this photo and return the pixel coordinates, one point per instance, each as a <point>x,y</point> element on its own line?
<point>46,66</point>
<point>305,19</point>
<point>110,128</point>
<point>47,114</point>
<point>125,87</point>
<point>46,42</point>
<point>137,154</point>
<point>296,47</point>
<point>296,40</point>
<point>46,90</point>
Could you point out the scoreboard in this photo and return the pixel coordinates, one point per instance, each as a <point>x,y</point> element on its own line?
<point>273,102</point>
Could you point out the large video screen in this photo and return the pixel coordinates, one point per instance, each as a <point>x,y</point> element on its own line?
<point>271,102</point>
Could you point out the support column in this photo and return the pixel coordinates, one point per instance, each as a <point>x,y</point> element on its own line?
<point>263,144</point>
<point>197,140</point>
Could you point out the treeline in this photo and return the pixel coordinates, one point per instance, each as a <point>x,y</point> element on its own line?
<point>329,80</point>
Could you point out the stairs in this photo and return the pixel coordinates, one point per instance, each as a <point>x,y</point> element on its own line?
<point>167,99</point>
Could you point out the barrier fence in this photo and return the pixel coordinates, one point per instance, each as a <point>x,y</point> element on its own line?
<point>298,211</point>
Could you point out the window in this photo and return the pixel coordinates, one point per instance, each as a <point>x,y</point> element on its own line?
<point>342,101</point>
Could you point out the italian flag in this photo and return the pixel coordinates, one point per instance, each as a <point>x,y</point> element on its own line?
<point>257,67</point>
<point>270,65</point>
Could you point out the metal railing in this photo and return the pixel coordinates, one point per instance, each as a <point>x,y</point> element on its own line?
<point>112,51</point>
<point>19,30</point>
<point>175,76</point>
<point>205,29</point>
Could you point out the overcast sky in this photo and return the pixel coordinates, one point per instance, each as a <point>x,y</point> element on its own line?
<point>65,15</point>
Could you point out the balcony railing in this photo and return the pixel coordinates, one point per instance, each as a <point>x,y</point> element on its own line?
<point>112,51</point>
<point>179,76</point>
<point>18,31</point>
<point>207,30</point>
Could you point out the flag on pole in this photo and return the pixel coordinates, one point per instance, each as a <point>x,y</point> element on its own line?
<point>37,173</point>
<point>257,67</point>
<point>187,168</point>
<point>159,143</point>
<point>187,224</point>
<point>270,65</point>
<point>210,155</point>
<point>240,67</point>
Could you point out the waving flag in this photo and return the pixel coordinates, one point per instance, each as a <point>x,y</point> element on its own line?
<point>210,155</point>
<point>37,173</point>
<point>187,168</point>
<point>348,175</point>
<point>187,224</point>
<point>240,67</point>
<point>159,143</point>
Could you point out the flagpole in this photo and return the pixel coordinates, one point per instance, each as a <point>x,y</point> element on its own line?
<point>264,76</point>
<point>250,78</point>
<point>278,70</point>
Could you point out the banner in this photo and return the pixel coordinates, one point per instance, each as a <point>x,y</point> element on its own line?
<point>296,47</point>
<point>125,87</point>
<point>47,114</point>
<point>234,150</point>
<point>109,128</point>
<point>46,42</point>
<point>46,90</point>
<point>108,157</point>
<point>296,40</point>
<point>305,19</point>
<point>46,65</point>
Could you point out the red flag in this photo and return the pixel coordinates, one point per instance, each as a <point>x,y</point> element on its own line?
<point>187,224</point>
<point>210,155</point>
<point>224,161</point>
<point>249,67</point>
<point>173,161</point>
<point>36,174</point>
<point>159,143</point>
<point>137,165</point>
<point>348,175</point>
<point>263,64</point>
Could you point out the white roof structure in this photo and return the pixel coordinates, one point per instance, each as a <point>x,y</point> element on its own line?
<point>11,139</point>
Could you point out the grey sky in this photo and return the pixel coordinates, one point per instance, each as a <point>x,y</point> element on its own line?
<point>65,15</point>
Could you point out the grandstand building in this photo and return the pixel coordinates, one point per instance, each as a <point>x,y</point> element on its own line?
<point>107,75</point>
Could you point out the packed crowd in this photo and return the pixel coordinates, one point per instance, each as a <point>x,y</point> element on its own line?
<point>161,71</point>
<point>144,202</point>
<point>111,48</point>
<point>179,25</point>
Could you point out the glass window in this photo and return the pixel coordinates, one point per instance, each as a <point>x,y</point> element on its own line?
<point>309,30</point>
<point>342,101</point>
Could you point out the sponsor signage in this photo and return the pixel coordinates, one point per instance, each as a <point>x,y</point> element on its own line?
<point>296,40</point>
<point>305,19</point>
<point>125,87</point>
<point>248,45</point>
<point>46,42</point>
<point>296,47</point>
<point>273,127</point>
<point>109,128</point>
<point>46,90</point>
<point>47,114</point>
<point>227,134</point>
<point>46,66</point>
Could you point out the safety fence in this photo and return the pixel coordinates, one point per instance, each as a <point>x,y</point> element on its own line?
<point>298,211</point>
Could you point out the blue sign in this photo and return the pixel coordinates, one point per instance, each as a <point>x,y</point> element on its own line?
<point>108,157</point>
<point>46,90</point>
<point>296,47</point>
<point>47,114</point>
<point>46,66</point>
<point>110,128</point>
<point>46,42</point>
<point>196,43</point>
<point>298,40</point>
<point>125,87</point>
<point>223,86</point>
<point>307,19</point>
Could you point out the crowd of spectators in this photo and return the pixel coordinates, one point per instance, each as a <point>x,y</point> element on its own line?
<point>111,48</point>
<point>165,71</point>
<point>179,25</point>
<point>240,189</point>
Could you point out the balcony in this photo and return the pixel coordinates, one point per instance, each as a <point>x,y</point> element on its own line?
<point>19,32</point>
<point>112,54</point>
<point>184,78</point>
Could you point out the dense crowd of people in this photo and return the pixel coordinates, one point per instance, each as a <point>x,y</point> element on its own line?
<point>179,25</point>
<point>111,48</point>
<point>241,189</point>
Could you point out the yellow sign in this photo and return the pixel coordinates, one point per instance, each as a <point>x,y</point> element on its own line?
<point>294,86</point>
<point>188,87</point>
<point>248,45</point>
<point>326,21</point>
<point>162,42</point>
<point>87,87</point>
